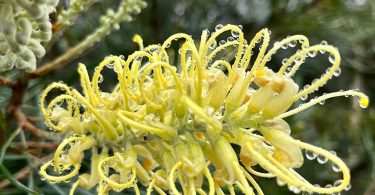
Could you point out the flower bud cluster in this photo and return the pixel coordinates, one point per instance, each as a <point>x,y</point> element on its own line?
<point>24,24</point>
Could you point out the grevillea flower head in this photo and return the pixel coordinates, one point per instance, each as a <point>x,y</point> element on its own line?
<point>164,126</point>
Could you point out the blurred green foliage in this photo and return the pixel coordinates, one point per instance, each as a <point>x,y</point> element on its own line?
<point>339,125</point>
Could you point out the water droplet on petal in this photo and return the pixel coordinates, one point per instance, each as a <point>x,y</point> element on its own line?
<point>213,45</point>
<point>218,27</point>
<point>312,54</point>
<point>284,61</point>
<point>331,59</point>
<point>310,155</point>
<point>279,182</point>
<point>235,33</point>
<point>348,187</point>
<point>293,43</point>
<point>336,168</point>
<point>294,189</point>
<point>337,183</point>
<point>303,98</point>
<point>322,159</point>
<point>100,78</point>
<point>222,42</point>
<point>328,70</point>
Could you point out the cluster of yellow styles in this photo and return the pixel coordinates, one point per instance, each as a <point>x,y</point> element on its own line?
<point>172,129</point>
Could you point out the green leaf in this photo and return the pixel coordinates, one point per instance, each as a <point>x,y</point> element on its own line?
<point>7,143</point>
<point>14,181</point>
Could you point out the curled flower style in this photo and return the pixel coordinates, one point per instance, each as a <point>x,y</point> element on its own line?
<point>171,129</point>
<point>24,24</point>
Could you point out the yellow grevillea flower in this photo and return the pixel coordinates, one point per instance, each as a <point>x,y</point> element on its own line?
<point>172,129</point>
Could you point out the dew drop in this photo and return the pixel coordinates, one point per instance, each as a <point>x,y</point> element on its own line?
<point>138,58</point>
<point>328,186</point>
<point>279,182</point>
<point>230,39</point>
<point>328,70</point>
<point>235,33</point>
<point>285,46</point>
<point>303,98</point>
<point>213,45</point>
<point>336,168</point>
<point>297,60</point>
<point>314,81</point>
<point>348,187</point>
<point>100,78</point>
<point>322,159</point>
<point>331,59</point>
<point>218,27</point>
<point>312,54</point>
<point>294,189</point>
<point>284,61</point>
<point>310,155</point>
<point>337,183</point>
<point>324,42</point>
<point>293,43</point>
<point>240,26</point>
<point>222,42</point>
